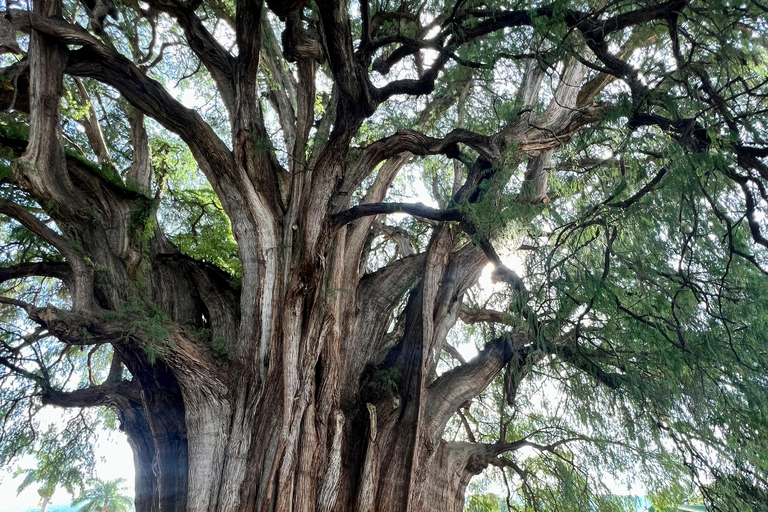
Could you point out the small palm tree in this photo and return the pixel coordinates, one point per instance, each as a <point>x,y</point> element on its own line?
<point>46,489</point>
<point>101,496</point>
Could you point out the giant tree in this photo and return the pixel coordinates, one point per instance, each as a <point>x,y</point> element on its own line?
<point>198,204</point>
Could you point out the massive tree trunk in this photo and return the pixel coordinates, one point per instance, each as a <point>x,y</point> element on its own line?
<point>308,390</point>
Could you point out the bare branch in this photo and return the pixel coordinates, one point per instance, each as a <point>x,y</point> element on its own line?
<point>58,270</point>
<point>422,145</point>
<point>111,394</point>
<point>93,128</point>
<point>415,209</point>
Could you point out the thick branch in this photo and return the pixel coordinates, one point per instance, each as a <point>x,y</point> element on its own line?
<point>111,394</point>
<point>466,381</point>
<point>422,145</point>
<point>78,328</point>
<point>351,79</point>
<point>415,209</point>
<point>96,60</point>
<point>58,270</point>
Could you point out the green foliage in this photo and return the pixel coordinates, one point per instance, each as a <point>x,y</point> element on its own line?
<point>58,465</point>
<point>218,345</point>
<point>220,348</point>
<point>750,497</point>
<point>484,503</point>
<point>383,383</point>
<point>190,212</point>
<point>63,456</point>
<point>149,325</point>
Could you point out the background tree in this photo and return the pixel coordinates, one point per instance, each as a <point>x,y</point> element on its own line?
<point>230,281</point>
<point>62,461</point>
<point>101,496</point>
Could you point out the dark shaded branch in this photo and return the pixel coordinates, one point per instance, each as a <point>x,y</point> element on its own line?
<point>422,145</point>
<point>29,308</point>
<point>58,270</point>
<point>642,192</point>
<point>472,24</point>
<point>499,448</point>
<point>14,94</point>
<point>248,38</point>
<point>351,79</point>
<point>752,215</point>
<point>378,294</point>
<point>415,209</point>
<point>585,363</point>
<point>39,379</point>
<point>425,84</point>
<point>110,394</point>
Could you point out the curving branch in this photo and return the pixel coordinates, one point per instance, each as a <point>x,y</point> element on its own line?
<point>423,145</point>
<point>111,394</point>
<point>648,187</point>
<point>96,60</point>
<point>466,25</point>
<point>79,328</point>
<point>415,209</point>
<point>55,269</point>
<point>425,84</point>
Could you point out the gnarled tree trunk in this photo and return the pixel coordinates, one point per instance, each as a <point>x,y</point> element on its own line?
<point>328,399</point>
